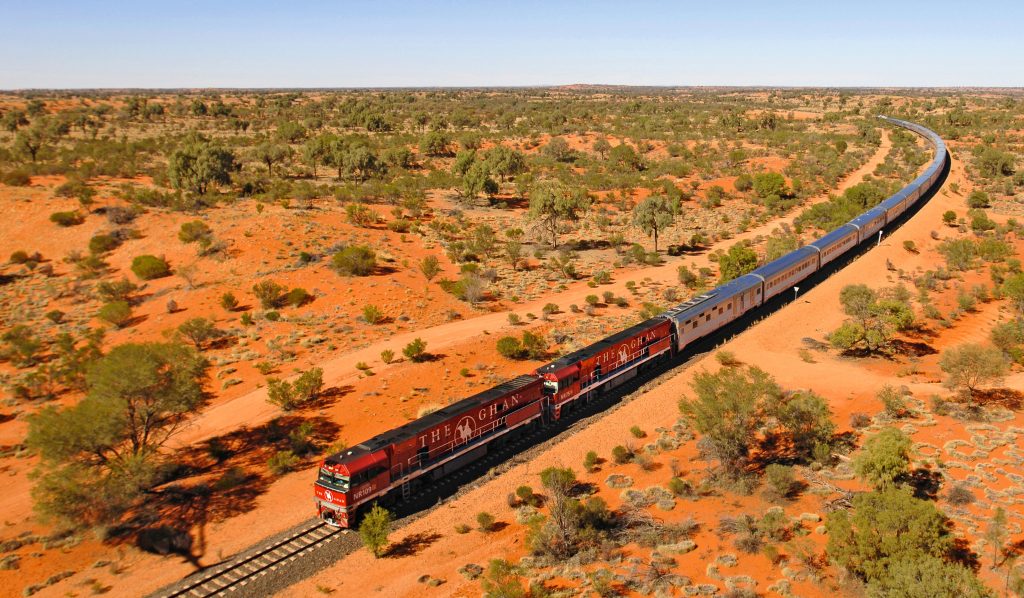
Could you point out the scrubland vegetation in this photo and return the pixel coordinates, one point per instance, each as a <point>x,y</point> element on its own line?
<point>214,245</point>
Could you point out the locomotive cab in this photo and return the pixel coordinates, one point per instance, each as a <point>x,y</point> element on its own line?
<point>347,480</point>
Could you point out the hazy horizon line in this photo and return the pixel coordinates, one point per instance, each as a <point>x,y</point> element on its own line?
<point>510,87</point>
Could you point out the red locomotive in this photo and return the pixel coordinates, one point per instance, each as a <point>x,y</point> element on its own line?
<point>396,462</point>
<point>605,364</point>
<point>425,449</point>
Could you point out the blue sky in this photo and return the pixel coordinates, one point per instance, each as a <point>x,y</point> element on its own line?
<point>259,43</point>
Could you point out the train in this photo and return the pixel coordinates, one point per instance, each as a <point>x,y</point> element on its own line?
<point>392,466</point>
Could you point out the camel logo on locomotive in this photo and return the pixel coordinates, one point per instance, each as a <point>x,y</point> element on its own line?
<point>464,431</point>
<point>467,424</point>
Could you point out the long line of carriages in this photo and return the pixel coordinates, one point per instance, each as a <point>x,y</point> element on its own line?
<point>395,464</point>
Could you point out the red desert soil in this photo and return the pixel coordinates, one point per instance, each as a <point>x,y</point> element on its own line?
<point>772,345</point>
<point>360,411</point>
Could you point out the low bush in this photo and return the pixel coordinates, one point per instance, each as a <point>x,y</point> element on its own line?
<point>118,313</point>
<point>149,267</point>
<point>282,462</point>
<point>298,297</point>
<point>355,260</point>
<point>621,454</point>
<point>416,350</point>
<point>485,521</point>
<point>103,243</point>
<point>66,218</point>
<point>15,178</point>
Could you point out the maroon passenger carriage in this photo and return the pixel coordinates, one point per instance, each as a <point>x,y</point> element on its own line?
<point>425,449</point>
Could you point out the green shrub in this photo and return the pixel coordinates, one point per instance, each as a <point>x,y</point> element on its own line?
<point>387,356</point>
<point>485,521</point>
<point>16,178</point>
<point>510,347</point>
<point>978,199</point>
<point>892,400</point>
<point>621,454</point>
<point>374,528</point>
<point>637,432</point>
<point>269,293</point>
<point>590,461</point>
<point>149,267</point>
<point>282,462</point>
<point>781,480</point>
<point>527,496</point>
<point>372,314</point>
<point>103,243</point>
<point>297,297</point>
<point>118,313</point>
<point>228,301</point>
<point>355,260</point>
<point>680,487</point>
<point>19,257</point>
<point>416,350</point>
<point>66,218</point>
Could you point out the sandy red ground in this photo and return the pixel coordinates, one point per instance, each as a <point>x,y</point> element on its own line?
<point>772,345</point>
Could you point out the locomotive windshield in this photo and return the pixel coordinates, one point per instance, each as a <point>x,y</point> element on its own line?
<point>551,386</point>
<point>333,481</point>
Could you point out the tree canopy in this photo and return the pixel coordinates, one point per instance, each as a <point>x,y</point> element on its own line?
<point>553,204</point>
<point>198,163</point>
<point>653,215</point>
<point>97,455</point>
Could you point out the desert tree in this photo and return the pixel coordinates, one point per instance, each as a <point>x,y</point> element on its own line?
<point>971,366</point>
<point>505,162</point>
<point>98,455</point>
<point>884,458</point>
<point>199,331</point>
<point>806,420</point>
<point>271,153</point>
<point>899,545</point>
<point>739,260</point>
<point>317,151</point>
<point>198,163</point>
<point>478,180</point>
<point>553,203</point>
<point>728,412</point>
<point>514,247</point>
<point>996,534</point>
<point>30,141</point>
<point>653,215</point>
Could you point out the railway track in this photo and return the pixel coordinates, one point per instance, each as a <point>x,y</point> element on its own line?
<point>232,576</point>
